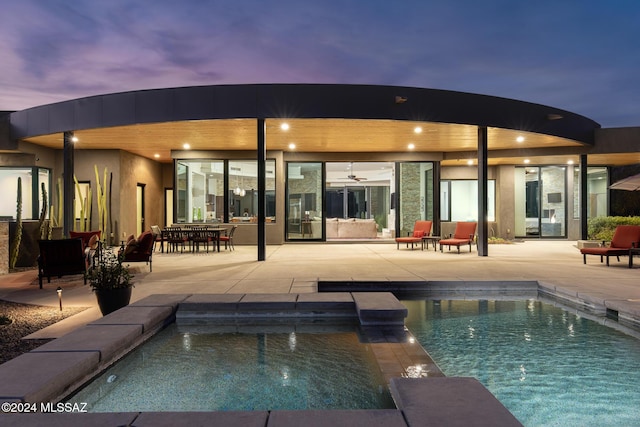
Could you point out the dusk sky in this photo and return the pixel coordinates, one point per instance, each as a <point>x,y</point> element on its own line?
<point>577,55</point>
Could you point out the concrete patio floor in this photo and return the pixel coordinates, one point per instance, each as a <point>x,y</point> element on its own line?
<point>297,268</point>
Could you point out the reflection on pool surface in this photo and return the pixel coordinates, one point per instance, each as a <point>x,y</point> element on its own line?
<point>547,366</point>
<point>178,370</point>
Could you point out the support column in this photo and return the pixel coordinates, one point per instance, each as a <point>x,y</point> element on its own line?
<point>483,226</point>
<point>262,193</point>
<point>584,215</point>
<point>67,184</point>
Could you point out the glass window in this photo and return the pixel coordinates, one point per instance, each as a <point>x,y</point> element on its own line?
<point>597,178</point>
<point>243,191</point>
<point>459,200</point>
<point>31,191</point>
<point>304,201</point>
<point>200,191</point>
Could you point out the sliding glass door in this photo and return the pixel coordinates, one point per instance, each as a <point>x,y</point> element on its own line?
<point>541,201</point>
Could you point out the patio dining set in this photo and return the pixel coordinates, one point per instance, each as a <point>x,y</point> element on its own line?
<point>195,237</point>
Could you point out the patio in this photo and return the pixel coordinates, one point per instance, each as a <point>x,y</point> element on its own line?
<point>296,268</point>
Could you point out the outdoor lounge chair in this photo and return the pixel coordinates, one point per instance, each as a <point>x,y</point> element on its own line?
<point>60,258</point>
<point>463,235</point>
<point>624,238</point>
<point>138,250</point>
<point>420,229</point>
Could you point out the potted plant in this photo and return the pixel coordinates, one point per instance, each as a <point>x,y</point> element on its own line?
<point>111,281</point>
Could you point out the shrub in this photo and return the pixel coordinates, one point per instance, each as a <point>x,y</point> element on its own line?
<point>603,227</point>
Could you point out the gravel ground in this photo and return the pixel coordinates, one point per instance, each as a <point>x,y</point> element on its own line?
<point>26,319</point>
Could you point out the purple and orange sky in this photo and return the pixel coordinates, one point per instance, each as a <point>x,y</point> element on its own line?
<point>578,55</point>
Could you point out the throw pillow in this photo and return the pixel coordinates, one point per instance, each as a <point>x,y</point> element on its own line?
<point>418,233</point>
<point>131,246</point>
<point>93,242</point>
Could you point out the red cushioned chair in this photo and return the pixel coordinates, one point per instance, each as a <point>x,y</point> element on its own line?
<point>420,229</point>
<point>228,238</point>
<point>624,238</point>
<point>138,250</point>
<point>463,235</point>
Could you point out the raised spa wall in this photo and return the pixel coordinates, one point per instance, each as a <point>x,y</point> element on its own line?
<point>51,372</point>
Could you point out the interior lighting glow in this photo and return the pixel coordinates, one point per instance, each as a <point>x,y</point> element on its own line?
<point>569,162</point>
<point>284,126</point>
<point>417,129</point>
<point>74,139</point>
<point>527,161</point>
<point>156,155</point>
<point>470,162</point>
<point>292,146</point>
<point>411,146</point>
<point>520,139</point>
<point>186,146</point>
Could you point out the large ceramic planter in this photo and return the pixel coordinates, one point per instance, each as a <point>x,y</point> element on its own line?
<point>110,300</point>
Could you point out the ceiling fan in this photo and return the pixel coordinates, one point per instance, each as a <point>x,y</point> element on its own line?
<point>353,177</point>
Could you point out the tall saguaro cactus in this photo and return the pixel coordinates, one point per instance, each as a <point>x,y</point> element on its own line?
<point>15,247</point>
<point>43,229</point>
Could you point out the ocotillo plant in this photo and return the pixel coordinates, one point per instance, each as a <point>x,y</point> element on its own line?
<point>15,248</point>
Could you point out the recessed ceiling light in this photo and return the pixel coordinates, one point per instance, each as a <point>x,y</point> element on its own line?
<point>520,138</point>
<point>292,146</point>
<point>186,146</point>
<point>470,162</point>
<point>74,139</point>
<point>569,162</point>
<point>411,146</point>
<point>156,155</point>
<point>527,160</point>
<point>284,126</point>
<point>417,129</point>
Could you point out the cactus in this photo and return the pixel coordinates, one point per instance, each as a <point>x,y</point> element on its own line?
<point>43,231</point>
<point>15,247</point>
<point>55,215</point>
<point>85,207</point>
<point>101,199</point>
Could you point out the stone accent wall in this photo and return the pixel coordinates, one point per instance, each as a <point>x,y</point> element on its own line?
<point>410,197</point>
<point>4,247</point>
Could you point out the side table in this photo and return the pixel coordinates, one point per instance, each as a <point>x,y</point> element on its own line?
<point>433,239</point>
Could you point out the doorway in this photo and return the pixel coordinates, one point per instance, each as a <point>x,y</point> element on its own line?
<point>140,209</point>
<point>541,201</point>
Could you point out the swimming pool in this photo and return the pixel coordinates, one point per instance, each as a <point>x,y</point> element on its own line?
<point>186,369</point>
<point>547,366</point>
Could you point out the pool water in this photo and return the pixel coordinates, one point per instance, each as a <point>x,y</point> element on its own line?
<point>195,371</point>
<point>547,366</point>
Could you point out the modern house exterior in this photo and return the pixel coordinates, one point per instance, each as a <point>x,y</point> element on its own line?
<point>316,162</point>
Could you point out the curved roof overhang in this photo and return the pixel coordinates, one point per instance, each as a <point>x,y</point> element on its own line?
<point>322,118</point>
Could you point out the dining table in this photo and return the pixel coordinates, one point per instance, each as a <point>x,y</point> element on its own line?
<point>188,231</point>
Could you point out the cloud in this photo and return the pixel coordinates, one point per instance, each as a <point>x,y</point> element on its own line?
<point>578,58</point>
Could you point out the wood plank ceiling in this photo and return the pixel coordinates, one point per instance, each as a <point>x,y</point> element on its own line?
<point>157,140</point>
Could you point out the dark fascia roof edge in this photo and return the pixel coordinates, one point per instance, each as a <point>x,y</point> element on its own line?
<point>300,101</point>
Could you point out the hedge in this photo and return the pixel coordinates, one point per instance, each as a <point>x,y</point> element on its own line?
<point>603,227</point>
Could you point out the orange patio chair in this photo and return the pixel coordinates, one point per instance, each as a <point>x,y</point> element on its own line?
<point>463,235</point>
<point>624,238</point>
<point>420,229</point>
